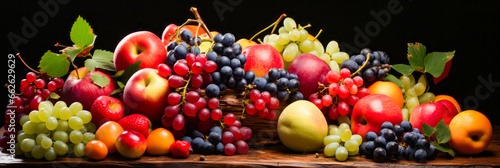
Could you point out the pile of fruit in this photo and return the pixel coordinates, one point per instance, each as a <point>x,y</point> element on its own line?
<point>174,86</point>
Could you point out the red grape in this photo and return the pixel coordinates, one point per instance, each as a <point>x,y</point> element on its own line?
<point>35,101</point>
<point>353,90</point>
<point>273,103</point>
<point>343,108</point>
<point>192,96</point>
<point>229,118</point>
<point>333,113</point>
<point>318,103</point>
<point>17,101</point>
<point>201,58</point>
<point>181,68</point>
<point>174,98</point>
<point>263,113</point>
<point>38,92</point>
<point>362,92</point>
<point>29,91</point>
<point>358,81</point>
<point>236,123</point>
<point>260,104</point>
<point>313,97</point>
<point>271,115</point>
<point>216,114</point>
<point>352,100</point>
<point>166,121</point>
<point>343,92</point>
<point>210,66</point>
<point>326,100</point>
<point>213,103</point>
<point>348,82</point>
<point>52,86</point>
<point>189,109</point>
<point>172,110</point>
<point>196,68</point>
<point>178,122</point>
<point>164,70</point>
<point>31,76</point>
<point>196,80</point>
<point>46,93</point>
<point>175,81</point>
<point>266,96</point>
<point>40,83</point>
<point>345,73</point>
<point>246,133</point>
<point>204,114</point>
<point>59,82</point>
<point>190,59</point>
<point>24,83</point>
<point>201,103</point>
<point>250,109</point>
<point>241,147</point>
<point>236,132</point>
<point>227,137</point>
<point>332,76</point>
<point>229,149</point>
<point>255,94</point>
<point>19,109</point>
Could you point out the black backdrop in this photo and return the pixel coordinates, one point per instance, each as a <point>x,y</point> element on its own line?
<point>469,27</point>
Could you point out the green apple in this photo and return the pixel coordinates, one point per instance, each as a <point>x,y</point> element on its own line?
<point>302,127</point>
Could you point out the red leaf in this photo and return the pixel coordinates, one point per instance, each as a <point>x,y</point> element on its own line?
<point>444,74</point>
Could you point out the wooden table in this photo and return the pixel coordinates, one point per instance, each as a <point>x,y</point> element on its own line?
<point>269,156</point>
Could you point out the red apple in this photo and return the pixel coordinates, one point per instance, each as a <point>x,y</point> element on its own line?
<point>146,93</point>
<point>142,45</point>
<point>431,113</point>
<point>79,87</point>
<point>310,70</point>
<point>131,144</point>
<point>106,108</point>
<point>373,110</point>
<point>261,58</point>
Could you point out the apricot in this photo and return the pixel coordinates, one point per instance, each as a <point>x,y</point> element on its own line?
<point>471,132</point>
<point>390,89</point>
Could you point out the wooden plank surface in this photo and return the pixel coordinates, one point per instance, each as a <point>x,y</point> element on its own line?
<point>264,156</point>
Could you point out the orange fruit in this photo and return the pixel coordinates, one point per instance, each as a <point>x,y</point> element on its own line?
<point>108,133</point>
<point>451,99</point>
<point>96,149</point>
<point>159,141</point>
<point>390,89</point>
<point>471,132</point>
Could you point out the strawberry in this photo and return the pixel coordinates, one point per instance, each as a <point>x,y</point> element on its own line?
<point>136,122</point>
<point>180,149</point>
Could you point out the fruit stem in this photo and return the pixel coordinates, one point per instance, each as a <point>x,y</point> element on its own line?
<point>268,27</point>
<point>200,21</point>
<point>317,35</point>
<point>19,55</point>
<point>10,91</point>
<point>184,90</point>
<point>367,58</point>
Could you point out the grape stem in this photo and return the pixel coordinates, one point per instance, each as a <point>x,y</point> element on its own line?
<point>10,91</point>
<point>274,25</point>
<point>359,69</point>
<point>317,35</point>
<point>198,20</point>
<point>19,55</point>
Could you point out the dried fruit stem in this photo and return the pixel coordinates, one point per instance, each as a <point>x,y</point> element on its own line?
<point>19,55</point>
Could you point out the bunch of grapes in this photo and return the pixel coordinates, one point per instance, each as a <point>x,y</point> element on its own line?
<point>262,104</point>
<point>398,141</point>
<point>375,69</point>
<point>229,142</point>
<point>333,56</point>
<point>55,130</point>
<point>280,83</point>
<point>414,93</point>
<point>340,143</point>
<point>340,96</point>
<point>230,72</point>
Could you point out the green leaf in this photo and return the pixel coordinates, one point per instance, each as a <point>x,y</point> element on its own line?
<point>116,91</point>
<point>443,134</point>
<point>54,95</point>
<point>428,130</point>
<point>72,53</point>
<point>403,68</point>
<point>81,33</point>
<point>100,80</point>
<point>435,62</point>
<point>101,59</point>
<point>120,84</point>
<point>416,54</point>
<point>393,79</point>
<point>55,65</point>
<point>131,69</point>
<point>443,149</point>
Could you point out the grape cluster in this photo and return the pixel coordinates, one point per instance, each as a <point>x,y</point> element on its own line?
<point>340,96</point>
<point>55,130</point>
<point>414,93</point>
<point>280,83</point>
<point>340,143</point>
<point>230,72</point>
<point>375,69</point>
<point>179,48</point>
<point>262,104</point>
<point>399,141</point>
<point>228,142</point>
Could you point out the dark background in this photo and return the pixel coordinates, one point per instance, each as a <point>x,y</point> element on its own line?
<point>469,27</point>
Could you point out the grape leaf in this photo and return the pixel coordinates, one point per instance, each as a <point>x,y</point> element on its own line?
<point>443,134</point>
<point>416,54</point>
<point>435,62</point>
<point>54,95</point>
<point>443,149</point>
<point>403,68</point>
<point>55,65</point>
<point>101,59</point>
<point>100,80</point>
<point>131,69</point>
<point>445,73</point>
<point>81,33</point>
<point>72,52</point>
<point>427,130</point>
<point>393,79</point>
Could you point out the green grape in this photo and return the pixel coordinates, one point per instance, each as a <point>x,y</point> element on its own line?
<point>51,123</point>
<point>412,102</point>
<point>87,137</point>
<point>38,152</point>
<point>330,127</point>
<point>24,119</point>
<point>85,115</point>
<point>75,123</point>
<point>282,30</point>
<point>40,137</point>
<point>83,130</point>
<point>28,155</point>
<point>79,150</point>
<point>331,139</point>
<point>357,138</point>
<point>22,136</point>
<point>61,136</point>
<point>422,80</point>
<point>34,116</point>
<point>318,47</point>
<point>340,57</point>
<point>351,145</point>
<point>341,154</point>
<point>60,148</point>
<point>306,46</point>
<point>290,52</point>
<point>41,128</point>
<point>406,82</point>
<point>345,135</point>
<point>283,39</point>
<point>412,80</point>
<point>277,46</point>
<point>411,92</point>
<point>289,24</point>
<point>62,125</point>
<point>46,143</point>
<point>419,88</point>
<point>45,104</point>
<point>75,136</point>
<point>273,38</point>
<point>65,113</point>
<point>344,119</point>
<point>353,153</point>
<point>426,98</point>
<point>17,149</point>
<point>334,131</point>
<point>75,107</point>
<point>332,47</point>
<point>303,34</point>
<point>314,52</point>
<point>27,144</point>
<point>344,126</point>
<point>44,114</point>
<point>56,111</point>
<point>91,127</point>
<point>50,154</point>
<point>406,115</point>
<point>325,57</point>
<point>334,66</point>
<point>294,35</point>
<point>266,39</point>
<point>331,149</point>
<point>71,148</point>
<point>29,127</point>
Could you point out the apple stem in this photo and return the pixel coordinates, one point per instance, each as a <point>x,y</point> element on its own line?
<point>359,69</point>
<point>274,25</point>
<point>19,55</point>
<point>317,35</point>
